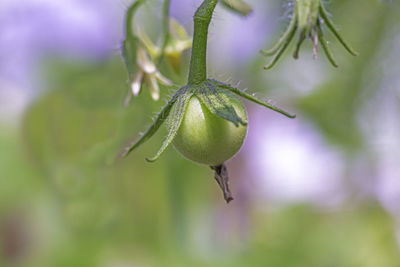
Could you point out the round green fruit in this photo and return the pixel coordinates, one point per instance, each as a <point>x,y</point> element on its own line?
<point>208,139</point>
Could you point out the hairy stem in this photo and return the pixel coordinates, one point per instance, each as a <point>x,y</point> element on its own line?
<point>198,61</point>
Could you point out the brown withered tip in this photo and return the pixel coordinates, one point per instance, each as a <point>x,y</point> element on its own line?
<point>222,178</point>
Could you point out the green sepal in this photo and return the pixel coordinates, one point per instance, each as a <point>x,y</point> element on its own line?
<point>335,32</point>
<point>238,6</point>
<point>285,44</point>
<point>314,13</point>
<point>217,102</point>
<point>284,39</point>
<point>161,117</point>
<point>255,100</point>
<point>307,12</point>
<point>324,44</point>
<point>178,112</point>
<point>302,37</point>
<point>307,18</point>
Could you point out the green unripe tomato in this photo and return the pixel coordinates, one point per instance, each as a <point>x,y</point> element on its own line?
<point>208,139</point>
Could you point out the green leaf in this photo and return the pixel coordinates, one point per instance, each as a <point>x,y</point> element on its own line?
<point>255,100</point>
<point>162,116</point>
<point>217,102</point>
<point>177,114</point>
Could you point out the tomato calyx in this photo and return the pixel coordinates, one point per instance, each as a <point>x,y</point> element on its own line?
<point>213,95</point>
<point>309,17</point>
<point>216,97</point>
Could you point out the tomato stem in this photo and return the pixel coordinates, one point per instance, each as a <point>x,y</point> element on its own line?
<point>198,61</point>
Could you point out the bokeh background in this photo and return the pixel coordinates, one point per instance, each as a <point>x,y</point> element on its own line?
<point>320,190</point>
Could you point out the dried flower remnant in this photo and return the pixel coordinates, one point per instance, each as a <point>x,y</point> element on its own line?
<point>146,72</point>
<point>177,42</point>
<point>141,69</point>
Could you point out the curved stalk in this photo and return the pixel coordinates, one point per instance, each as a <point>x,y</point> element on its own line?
<point>166,33</point>
<point>129,18</point>
<point>198,60</point>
